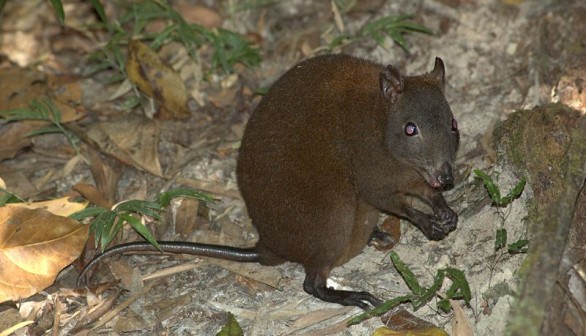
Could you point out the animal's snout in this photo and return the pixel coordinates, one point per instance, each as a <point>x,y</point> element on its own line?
<point>445,176</point>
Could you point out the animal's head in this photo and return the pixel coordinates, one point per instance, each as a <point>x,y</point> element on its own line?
<point>421,130</point>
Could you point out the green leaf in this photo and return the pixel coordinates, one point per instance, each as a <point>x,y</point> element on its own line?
<point>460,288</point>
<point>87,212</point>
<point>137,225</point>
<point>130,103</point>
<point>100,10</point>
<point>262,90</point>
<point>399,39</point>
<point>22,114</point>
<point>146,208</point>
<point>444,305</point>
<point>520,246</point>
<point>406,273</point>
<point>514,193</point>
<point>414,27</point>
<point>164,198</point>
<point>102,226</point>
<point>501,239</point>
<point>493,190</point>
<point>395,27</point>
<point>45,130</point>
<point>377,311</point>
<point>430,293</point>
<point>58,7</point>
<point>232,328</point>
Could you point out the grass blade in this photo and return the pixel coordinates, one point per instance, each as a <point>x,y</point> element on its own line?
<point>501,239</point>
<point>88,212</point>
<point>58,7</point>
<point>140,228</point>
<point>493,190</point>
<point>406,273</point>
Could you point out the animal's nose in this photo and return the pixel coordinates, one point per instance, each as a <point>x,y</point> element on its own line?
<point>445,177</point>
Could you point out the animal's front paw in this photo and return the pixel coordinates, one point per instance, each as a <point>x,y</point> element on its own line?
<point>446,218</point>
<point>441,224</point>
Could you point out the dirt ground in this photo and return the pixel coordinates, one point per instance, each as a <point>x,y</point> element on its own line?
<point>500,56</point>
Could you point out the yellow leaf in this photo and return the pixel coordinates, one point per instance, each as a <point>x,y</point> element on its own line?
<point>60,206</point>
<point>35,246</point>
<point>158,80</point>
<point>461,325</point>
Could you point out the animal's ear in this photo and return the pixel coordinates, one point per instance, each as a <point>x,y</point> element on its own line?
<point>438,73</point>
<point>391,82</point>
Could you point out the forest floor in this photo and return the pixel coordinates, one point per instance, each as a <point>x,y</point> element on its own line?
<point>500,56</point>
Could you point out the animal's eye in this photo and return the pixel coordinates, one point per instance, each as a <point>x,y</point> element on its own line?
<point>454,125</point>
<point>411,129</point>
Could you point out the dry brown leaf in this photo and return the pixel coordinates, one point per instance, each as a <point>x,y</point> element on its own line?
<point>130,278</point>
<point>332,329</point>
<point>93,195</point>
<point>14,328</point>
<point>106,172</point>
<point>225,97</point>
<point>67,96</point>
<point>267,275</point>
<point>434,331</point>
<point>200,15</point>
<point>18,183</point>
<point>402,322</point>
<point>133,141</point>
<point>155,78</point>
<point>35,246</point>
<point>316,316</point>
<point>13,137</point>
<point>337,17</point>
<point>461,325</point>
<point>18,86</point>
<point>102,307</point>
<point>59,206</point>
<point>9,317</point>
<point>186,217</point>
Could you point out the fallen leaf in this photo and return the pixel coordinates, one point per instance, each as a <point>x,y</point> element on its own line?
<point>337,17</point>
<point>67,95</point>
<point>14,137</point>
<point>316,316</point>
<point>155,78</point>
<point>199,15</point>
<point>434,331</point>
<point>106,172</point>
<point>133,141</point>
<point>14,328</point>
<point>17,182</point>
<point>59,206</point>
<point>93,195</point>
<point>461,325</point>
<point>18,86</point>
<point>400,322</point>
<point>9,317</point>
<point>35,246</point>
